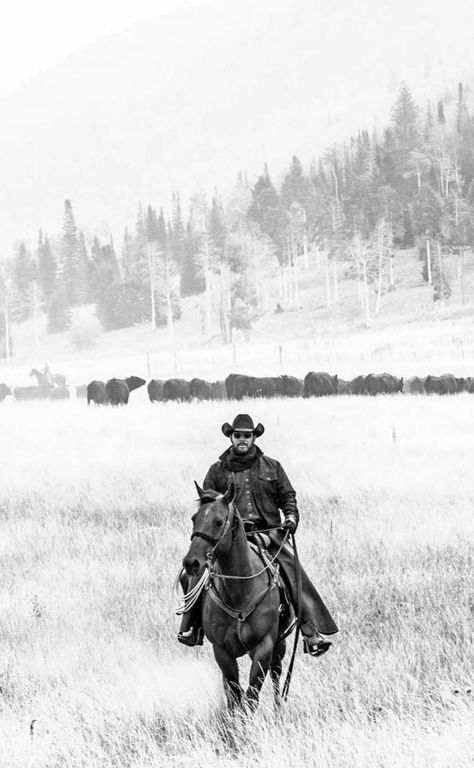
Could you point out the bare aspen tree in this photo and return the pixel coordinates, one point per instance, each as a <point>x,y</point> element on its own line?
<point>428,260</point>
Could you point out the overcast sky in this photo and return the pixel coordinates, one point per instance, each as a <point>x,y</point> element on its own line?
<point>36,34</point>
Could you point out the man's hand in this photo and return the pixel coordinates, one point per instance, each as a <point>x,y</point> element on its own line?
<point>290,524</point>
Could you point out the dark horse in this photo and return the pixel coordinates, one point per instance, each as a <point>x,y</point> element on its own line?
<point>241,599</point>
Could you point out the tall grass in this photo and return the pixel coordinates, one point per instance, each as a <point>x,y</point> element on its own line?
<point>94,520</point>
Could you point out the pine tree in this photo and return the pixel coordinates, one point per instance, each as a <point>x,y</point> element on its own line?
<point>46,270</point>
<point>83,291</point>
<point>69,257</point>
<point>267,211</point>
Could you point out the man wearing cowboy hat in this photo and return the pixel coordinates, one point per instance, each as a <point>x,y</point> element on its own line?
<point>263,493</point>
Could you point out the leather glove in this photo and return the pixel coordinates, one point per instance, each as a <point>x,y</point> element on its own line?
<point>290,524</point>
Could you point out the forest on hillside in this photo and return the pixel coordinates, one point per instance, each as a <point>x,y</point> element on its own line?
<point>360,205</point>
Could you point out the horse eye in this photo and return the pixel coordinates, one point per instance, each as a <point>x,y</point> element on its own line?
<point>218,523</point>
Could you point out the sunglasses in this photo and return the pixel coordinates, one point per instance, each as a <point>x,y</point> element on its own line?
<point>245,435</point>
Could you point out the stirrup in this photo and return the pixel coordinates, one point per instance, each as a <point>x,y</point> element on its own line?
<point>316,648</point>
<point>192,637</point>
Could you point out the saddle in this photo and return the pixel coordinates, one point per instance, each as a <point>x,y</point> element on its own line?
<point>259,543</point>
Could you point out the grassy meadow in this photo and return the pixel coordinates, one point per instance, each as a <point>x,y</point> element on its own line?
<point>95,509</point>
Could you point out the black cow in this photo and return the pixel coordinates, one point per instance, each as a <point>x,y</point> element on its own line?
<point>415,385</point>
<point>357,386</point>
<point>31,393</point>
<point>469,384</point>
<point>4,391</point>
<point>446,384</point>
<point>118,390</point>
<point>201,389</point>
<point>96,393</point>
<point>383,384</point>
<point>218,390</point>
<point>155,390</point>
<point>291,386</point>
<point>343,387</point>
<point>177,389</point>
<point>317,384</point>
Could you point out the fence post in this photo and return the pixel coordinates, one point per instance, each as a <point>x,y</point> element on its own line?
<point>280,353</point>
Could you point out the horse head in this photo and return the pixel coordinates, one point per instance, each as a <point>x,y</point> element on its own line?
<point>215,526</point>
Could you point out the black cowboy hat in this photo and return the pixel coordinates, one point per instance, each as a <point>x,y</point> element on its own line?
<point>243,422</point>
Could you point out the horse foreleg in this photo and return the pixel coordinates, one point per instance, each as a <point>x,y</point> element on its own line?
<point>275,669</point>
<point>261,659</point>
<point>230,676</point>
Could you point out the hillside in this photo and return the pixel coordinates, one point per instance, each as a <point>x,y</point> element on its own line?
<point>411,334</point>
<point>188,100</point>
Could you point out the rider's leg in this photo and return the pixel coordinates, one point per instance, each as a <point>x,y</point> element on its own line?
<point>315,617</point>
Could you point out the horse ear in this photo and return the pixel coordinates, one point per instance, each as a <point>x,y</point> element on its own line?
<point>199,490</point>
<point>229,495</point>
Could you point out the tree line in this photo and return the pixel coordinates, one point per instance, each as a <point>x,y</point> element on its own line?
<point>360,205</point>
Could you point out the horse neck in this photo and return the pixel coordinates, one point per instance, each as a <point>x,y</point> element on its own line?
<point>236,562</point>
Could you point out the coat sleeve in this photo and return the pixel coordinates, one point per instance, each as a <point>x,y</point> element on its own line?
<point>286,495</point>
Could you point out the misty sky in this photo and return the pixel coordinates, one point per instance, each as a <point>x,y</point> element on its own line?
<point>36,35</point>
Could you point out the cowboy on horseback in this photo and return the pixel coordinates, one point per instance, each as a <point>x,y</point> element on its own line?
<point>262,493</point>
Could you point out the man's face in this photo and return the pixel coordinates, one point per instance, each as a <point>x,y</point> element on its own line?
<point>242,441</point>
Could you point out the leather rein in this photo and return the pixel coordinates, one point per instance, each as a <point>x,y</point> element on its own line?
<point>212,575</point>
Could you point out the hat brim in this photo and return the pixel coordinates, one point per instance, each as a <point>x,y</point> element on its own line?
<point>228,429</point>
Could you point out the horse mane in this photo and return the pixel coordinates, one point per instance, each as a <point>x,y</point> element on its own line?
<point>209,495</point>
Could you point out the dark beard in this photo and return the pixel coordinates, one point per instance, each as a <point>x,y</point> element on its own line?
<point>238,463</point>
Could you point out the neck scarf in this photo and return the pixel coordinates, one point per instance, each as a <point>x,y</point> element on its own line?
<point>238,463</point>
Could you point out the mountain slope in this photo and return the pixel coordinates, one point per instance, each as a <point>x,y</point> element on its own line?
<point>191,98</point>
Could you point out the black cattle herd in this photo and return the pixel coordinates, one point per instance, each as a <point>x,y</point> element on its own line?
<point>237,386</point>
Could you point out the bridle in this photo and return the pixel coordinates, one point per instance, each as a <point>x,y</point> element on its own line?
<point>230,523</point>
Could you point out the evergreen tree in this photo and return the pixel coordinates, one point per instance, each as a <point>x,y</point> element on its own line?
<point>46,270</point>
<point>267,211</point>
<point>84,293</point>
<point>69,257</point>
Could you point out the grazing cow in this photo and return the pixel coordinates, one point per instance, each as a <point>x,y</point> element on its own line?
<point>218,390</point>
<point>236,386</point>
<point>263,386</point>
<point>357,386</point>
<point>96,393</point>
<point>118,390</point>
<point>177,389</point>
<point>4,391</point>
<point>446,384</point>
<point>155,390</point>
<point>201,389</point>
<point>59,393</point>
<point>31,393</point>
<point>292,387</point>
<point>383,384</point>
<point>319,384</point>
<point>343,387</point>
<point>415,385</point>
<point>81,390</point>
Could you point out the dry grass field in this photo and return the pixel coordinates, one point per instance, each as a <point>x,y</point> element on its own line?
<point>94,520</point>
